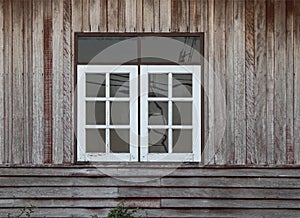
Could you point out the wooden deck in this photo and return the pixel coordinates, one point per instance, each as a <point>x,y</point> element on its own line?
<point>189,191</point>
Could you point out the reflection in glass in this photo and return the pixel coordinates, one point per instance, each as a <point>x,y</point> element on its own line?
<point>119,113</point>
<point>95,113</point>
<point>182,141</point>
<point>182,113</point>
<point>119,85</point>
<point>182,85</point>
<point>158,85</point>
<point>95,85</point>
<point>158,113</point>
<point>158,140</point>
<point>95,140</point>
<point>119,140</point>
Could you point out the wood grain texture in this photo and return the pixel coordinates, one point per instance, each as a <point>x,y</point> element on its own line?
<point>67,84</point>
<point>139,15</point>
<point>156,12</point>
<point>165,16</point>
<point>230,109</point>
<point>148,15</point>
<point>239,82</point>
<point>122,16</point>
<point>86,25</point>
<point>112,15</point>
<point>95,15</point>
<point>260,88</point>
<point>131,16</point>
<point>103,16</point>
<point>57,108</point>
<point>174,16</point>
<point>270,82</point>
<point>195,14</point>
<point>2,117</point>
<point>280,82</point>
<point>297,81</point>
<point>183,16</point>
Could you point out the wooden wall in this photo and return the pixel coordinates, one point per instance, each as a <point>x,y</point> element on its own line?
<point>252,48</point>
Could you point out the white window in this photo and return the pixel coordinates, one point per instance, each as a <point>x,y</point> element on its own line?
<point>108,113</point>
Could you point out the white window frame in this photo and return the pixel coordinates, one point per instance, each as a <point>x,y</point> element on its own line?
<point>82,155</point>
<point>195,156</point>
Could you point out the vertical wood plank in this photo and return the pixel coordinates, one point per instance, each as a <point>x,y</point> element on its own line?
<point>77,16</point>
<point>131,15</point>
<point>174,16</point>
<point>2,127</point>
<point>260,91</point>
<point>139,15</point>
<point>250,83</point>
<point>165,16</point>
<point>183,15</point>
<point>103,16</point>
<point>270,81</point>
<point>239,82</point>
<point>57,44</point>
<point>48,82</point>
<point>86,25</point>
<point>219,81</point>
<point>230,109</point>
<point>202,19</point>
<point>148,16</point>
<point>297,81</point>
<point>95,15</point>
<point>290,82</point>
<point>156,11</point>
<point>122,16</point>
<point>280,82</point>
<point>112,15</point>
<point>17,88</point>
<point>195,13</point>
<point>67,83</point>
<point>38,83</point>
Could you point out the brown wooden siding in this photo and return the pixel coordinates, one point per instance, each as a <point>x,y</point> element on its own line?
<point>164,192</point>
<point>252,50</point>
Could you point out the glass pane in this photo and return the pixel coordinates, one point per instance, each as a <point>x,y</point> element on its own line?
<point>119,113</point>
<point>119,140</point>
<point>158,85</point>
<point>107,49</point>
<point>119,85</point>
<point>95,85</point>
<point>158,113</point>
<point>181,49</point>
<point>158,140</point>
<point>182,141</point>
<point>95,113</point>
<point>182,85</point>
<point>182,113</point>
<point>95,140</point>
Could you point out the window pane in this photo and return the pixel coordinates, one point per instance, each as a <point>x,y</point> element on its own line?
<point>95,85</point>
<point>158,140</point>
<point>107,49</point>
<point>158,113</point>
<point>182,85</point>
<point>119,113</point>
<point>119,85</point>
<point>95,140</point>
<point>181,49</point>
<point>182,113</point>
<point>158,85</point>
<point>95,113</point>
<point>182,141</point>
<point>119,140</point>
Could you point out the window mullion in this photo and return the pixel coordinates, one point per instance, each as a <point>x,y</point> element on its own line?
<point>170,113</point>
<point>107,115</point>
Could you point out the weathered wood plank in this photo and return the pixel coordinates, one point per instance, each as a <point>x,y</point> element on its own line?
<point>196,203</point>
<point>280,82</point>
<point>122,16</point>
<point>38,84</point>
<point>183,15</point>
<point>260,91</point>
<point>48,101</point>
<point>77,16</point>
<point>219,81</point>
<point>195,13</point>
<point>230,109</point>
<point>290,82</point>
<point>86,25</point>
<point>95,15</point>
<point>270,82</point>
<point>165,16</point>
<point>148,15</point>
<point>174,15</point>
<point>297,81</point>
<point>67,84</point>
<point>203,16</point>
<point>131,16</point>
<point>112,15</point>
<point>156,12</point>
<point>139,15</point>
<point>28,74</point>
<point>57,44</point>
<point>103,15</point>
<point>250,83</point>
<point>2,105</point>
<point>239,82</point>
